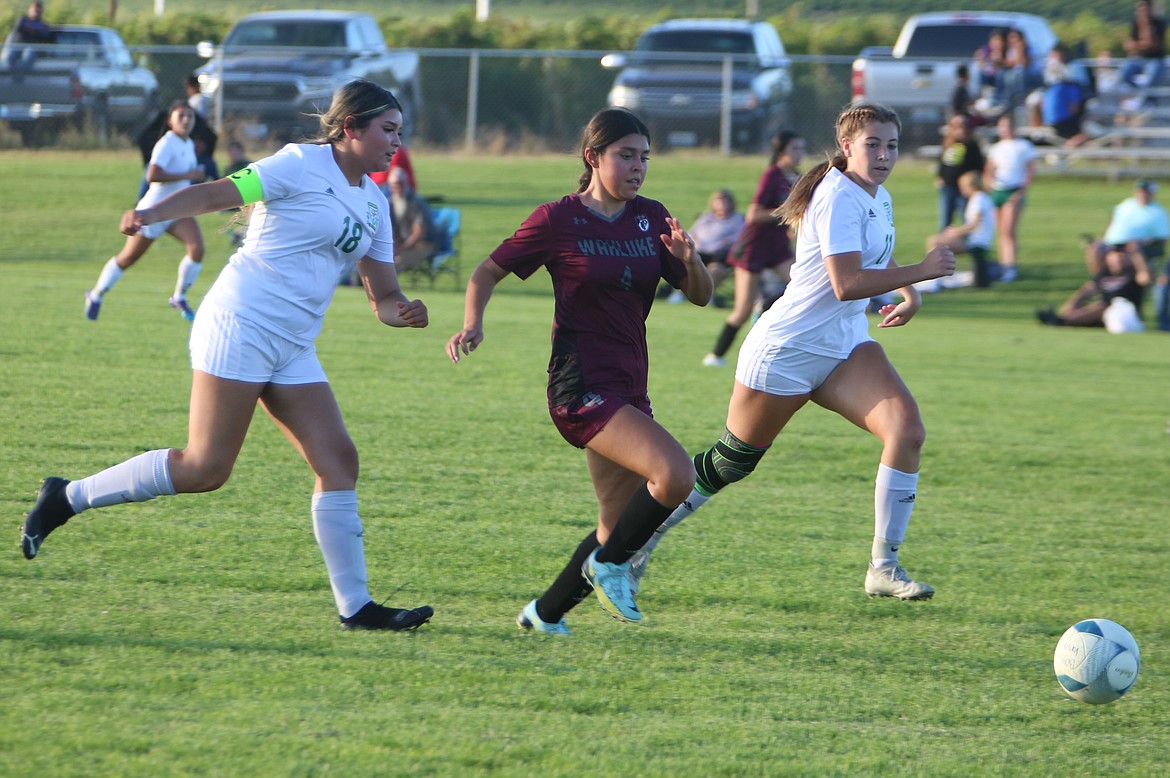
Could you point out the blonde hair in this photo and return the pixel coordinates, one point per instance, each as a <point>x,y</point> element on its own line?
<point>850,122</point>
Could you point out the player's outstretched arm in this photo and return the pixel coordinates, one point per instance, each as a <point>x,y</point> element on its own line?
<point>193,200</point>
<point>479,290</point>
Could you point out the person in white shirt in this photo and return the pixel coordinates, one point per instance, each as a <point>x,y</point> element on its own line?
<point>975,235</point>
<point>172,167</point>
<point>316,216</point>
<point>1010,167</point>
<point>814,342</point>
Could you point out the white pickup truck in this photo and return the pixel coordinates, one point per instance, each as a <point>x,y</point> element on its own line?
<point>916,77</point>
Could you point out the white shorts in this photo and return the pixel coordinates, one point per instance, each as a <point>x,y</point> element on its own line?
<point>156,230</point>
<point>783,370</point>
<point>227,346</point>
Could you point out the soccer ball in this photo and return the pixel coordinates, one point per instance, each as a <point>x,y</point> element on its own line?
<point>1096,661</point>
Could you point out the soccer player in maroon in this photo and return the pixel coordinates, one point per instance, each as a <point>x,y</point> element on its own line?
<point>606,248</point>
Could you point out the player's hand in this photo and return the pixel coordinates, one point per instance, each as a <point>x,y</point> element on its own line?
<point>898,314</point>
<point>413,313</point>
<point>678,242</point>
<point>196,174</point>
<point>465,341</point>
<point>939,262</point>
<point>133,221</point>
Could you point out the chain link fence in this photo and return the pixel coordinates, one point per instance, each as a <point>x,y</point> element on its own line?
<point>488,100</point>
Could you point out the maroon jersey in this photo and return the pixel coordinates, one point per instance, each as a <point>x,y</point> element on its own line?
<point>765,245</point>
<point>604,275</point>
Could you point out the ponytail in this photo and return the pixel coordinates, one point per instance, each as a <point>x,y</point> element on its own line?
<point>792,211</point>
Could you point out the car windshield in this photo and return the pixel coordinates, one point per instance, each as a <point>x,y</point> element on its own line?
<point>697,41</point>
<point>955,40</point>
<point>297,34</point>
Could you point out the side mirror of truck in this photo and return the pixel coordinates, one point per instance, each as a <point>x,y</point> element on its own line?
<point>613,61</point>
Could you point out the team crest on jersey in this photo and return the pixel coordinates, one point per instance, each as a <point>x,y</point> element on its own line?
<point>372,216</point>
<point>889,208</point>
<point>643,224</point>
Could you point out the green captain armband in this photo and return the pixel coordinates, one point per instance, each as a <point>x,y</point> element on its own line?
<point>248,182</point>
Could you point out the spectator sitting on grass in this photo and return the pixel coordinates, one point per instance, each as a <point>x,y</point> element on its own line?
<point>1120,274</point>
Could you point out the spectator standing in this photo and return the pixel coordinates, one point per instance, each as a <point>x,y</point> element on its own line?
<point>1145,47</point>
<point>764,242</point>
<point>253,341</point>
<point>237,158</point>
<point>30,29</point>
<point>1011,164</point>
<point>960,153</point>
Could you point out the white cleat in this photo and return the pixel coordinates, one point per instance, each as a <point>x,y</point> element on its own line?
<point>892,581</point>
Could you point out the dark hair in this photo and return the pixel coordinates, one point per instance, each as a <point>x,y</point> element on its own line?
<point>849,122</point>
<point>605,128</point>
<point>359,100</point>
<point>780,142</point>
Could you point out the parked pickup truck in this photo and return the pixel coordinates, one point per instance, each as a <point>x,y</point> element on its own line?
<point>705,81</point>
<point>916,77</point>
<point>275,70</point>
<point>86,76</point>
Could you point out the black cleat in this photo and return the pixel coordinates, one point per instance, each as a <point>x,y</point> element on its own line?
<point>375,616</point>
<point>51,511</point>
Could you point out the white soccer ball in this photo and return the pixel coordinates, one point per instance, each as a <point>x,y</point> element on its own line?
<point>1096,661</point>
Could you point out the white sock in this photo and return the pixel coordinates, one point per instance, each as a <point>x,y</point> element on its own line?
<point>893,502</point>
<point>338,529</point>
<point>188,272</point>
<point>692,503</point>
<point>142,478</point>
<point>109,276</point>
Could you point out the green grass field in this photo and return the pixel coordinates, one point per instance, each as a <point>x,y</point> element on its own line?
<point>196,635</point>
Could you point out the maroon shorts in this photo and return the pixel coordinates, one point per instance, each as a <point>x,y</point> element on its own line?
<point>583,417</point>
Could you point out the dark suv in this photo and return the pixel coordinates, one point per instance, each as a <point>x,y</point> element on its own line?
<point>697,81</point>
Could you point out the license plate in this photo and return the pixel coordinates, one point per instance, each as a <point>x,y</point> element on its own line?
<point>255,131</point>
<point>682,138</point>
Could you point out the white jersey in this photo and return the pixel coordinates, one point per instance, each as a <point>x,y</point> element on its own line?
<point>981,208</point>
<point>308,231</point>
<point>1010,159</point>
<point>174,156</point>
<point>841,218</point>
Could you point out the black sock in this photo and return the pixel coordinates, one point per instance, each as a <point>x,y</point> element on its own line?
<point>643,515</point>
<point>570,588</point>
<point>725,339</point>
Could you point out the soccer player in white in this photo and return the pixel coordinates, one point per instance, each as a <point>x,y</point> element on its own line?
<point>172,167</point>
<point>814,342</point>
<point>316,216</point>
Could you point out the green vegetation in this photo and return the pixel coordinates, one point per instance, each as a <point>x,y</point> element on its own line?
<point>841,27</point>
<point>195,635</point>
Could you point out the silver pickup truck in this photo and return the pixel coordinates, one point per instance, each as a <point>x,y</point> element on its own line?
<point>917,76</point>
<point>87,77</point>
<point>275,70</point>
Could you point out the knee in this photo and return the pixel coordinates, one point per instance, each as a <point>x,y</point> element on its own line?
<point>192,474</point>
<point>340,469</point>
<point>674,483</point>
